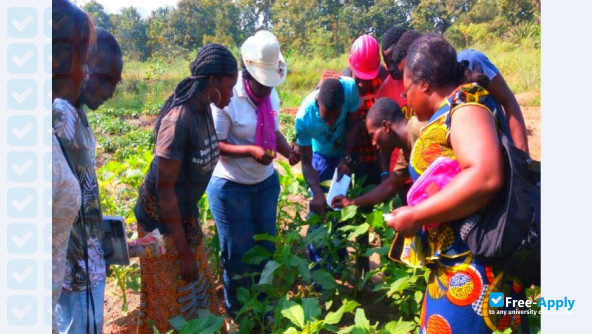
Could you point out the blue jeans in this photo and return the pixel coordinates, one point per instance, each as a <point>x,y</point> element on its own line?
<point>325,167</point>
<point>240,212</point>
<point>71,310</point>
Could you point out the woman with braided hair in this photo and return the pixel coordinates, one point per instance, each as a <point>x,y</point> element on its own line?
<point>185,154</point>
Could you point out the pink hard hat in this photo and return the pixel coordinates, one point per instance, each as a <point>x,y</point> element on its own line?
<point>364,57</point>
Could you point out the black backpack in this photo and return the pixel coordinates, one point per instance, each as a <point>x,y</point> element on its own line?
<point>508,230</point>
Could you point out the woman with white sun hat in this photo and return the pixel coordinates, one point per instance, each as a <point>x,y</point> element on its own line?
<point>243,193</point>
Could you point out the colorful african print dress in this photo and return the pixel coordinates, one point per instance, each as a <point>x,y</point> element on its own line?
<point>457,296</point>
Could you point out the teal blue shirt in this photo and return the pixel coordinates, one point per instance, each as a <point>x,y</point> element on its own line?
<point>312,131</point>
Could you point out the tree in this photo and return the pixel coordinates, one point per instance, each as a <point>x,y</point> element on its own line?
<point>438,15</point>
<point>97,12</point>
<point>130,32</point>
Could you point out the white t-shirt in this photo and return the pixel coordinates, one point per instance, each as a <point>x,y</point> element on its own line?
<point>237,125</point>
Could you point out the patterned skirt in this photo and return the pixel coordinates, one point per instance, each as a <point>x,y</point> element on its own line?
<point>163,293</point>
<point>459,288</point>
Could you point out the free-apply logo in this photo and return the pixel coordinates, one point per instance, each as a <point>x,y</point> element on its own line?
<point>496,299</point>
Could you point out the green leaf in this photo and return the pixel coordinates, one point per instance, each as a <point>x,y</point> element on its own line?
<point>302,265</point>
<point>295,314</point>
<point>312,309</point>
<point>418,297</point>
<point>267,237</point>
<point>400,327</point>
<point>256,255</point>
<point>375,219</point>
<point>267,273</point>
<point>324,278</point>
<point>207,323</point>
<point>333,318</point>
<point>399,285</point>
<point>360,319</point>
<point>357,231</point>
<point>177,322</point>
<point>348,212</point>
<point>346,330</point>
<point>291,330</point>
<point>243,295</point>
<point>326,183</point>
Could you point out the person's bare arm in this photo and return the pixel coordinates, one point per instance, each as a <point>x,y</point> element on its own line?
<point>312,179</point>
<point>386,190</point>
<point>253,151</point>
<point>167,175</point>
<point>352,130</point>
<point>499,90</point>
<point>282,144</point>
<point>473,132</point>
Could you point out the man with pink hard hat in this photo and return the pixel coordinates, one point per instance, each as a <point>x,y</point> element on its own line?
<point>368,72</point>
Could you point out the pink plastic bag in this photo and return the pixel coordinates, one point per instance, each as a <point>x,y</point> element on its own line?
<point>435,177</point>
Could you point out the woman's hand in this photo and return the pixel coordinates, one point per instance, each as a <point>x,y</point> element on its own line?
<point>258,153</point>
<point>404,221</point>
<point>188,266</point>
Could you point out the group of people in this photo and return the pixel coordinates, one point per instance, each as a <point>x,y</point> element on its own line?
<point>218,133</point>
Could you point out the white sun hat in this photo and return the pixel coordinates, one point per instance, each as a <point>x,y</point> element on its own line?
<point>263,59</point>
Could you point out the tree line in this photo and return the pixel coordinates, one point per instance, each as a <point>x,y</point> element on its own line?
<point>323,27</point>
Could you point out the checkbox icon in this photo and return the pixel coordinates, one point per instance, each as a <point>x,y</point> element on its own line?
<point>22,58</point>
<point>22,238</point>
<point>21,310</point>
<point>47,22</point>
<point>496,299</point>
<point>22,22</point>
<point>22,94</point>
<point>21,130</point>
<point>21,274</point>
<point>22,166</point>
<point>22,202</point>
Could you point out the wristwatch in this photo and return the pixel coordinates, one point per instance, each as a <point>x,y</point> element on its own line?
<point>348,159</point>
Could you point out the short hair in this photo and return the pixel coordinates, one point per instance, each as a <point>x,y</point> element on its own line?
<point>107,43</point>
<point>400,51</point>
<point>384,109</point>
<point>391,37</point>
<point>331,94</point>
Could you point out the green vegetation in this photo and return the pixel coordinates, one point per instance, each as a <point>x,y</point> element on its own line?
<point>314,36</point>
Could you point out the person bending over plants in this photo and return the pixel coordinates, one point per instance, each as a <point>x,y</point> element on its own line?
<point>326,130</point>
<point>389,129</point>
<point>185,154</point>
<point>462,127</point>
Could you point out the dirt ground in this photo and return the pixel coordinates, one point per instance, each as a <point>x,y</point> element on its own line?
<point>118,323</point>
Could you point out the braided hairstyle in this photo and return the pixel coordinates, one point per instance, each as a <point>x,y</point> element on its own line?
<point>212,60</point>
<point>433,60</point>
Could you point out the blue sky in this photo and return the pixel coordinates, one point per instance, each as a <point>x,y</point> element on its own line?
<point>144,6</point>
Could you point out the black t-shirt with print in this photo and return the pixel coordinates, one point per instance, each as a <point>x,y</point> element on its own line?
<point>186,135</point>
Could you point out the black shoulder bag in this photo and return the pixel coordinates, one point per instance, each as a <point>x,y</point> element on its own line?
<point>509,227</point>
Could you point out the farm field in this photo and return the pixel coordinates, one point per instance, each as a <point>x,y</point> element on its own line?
<point>388,298</point>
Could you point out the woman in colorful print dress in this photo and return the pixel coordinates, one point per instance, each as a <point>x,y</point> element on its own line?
<point>460,126</point>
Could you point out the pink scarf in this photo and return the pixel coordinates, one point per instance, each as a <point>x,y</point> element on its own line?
<point>265,135</point>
